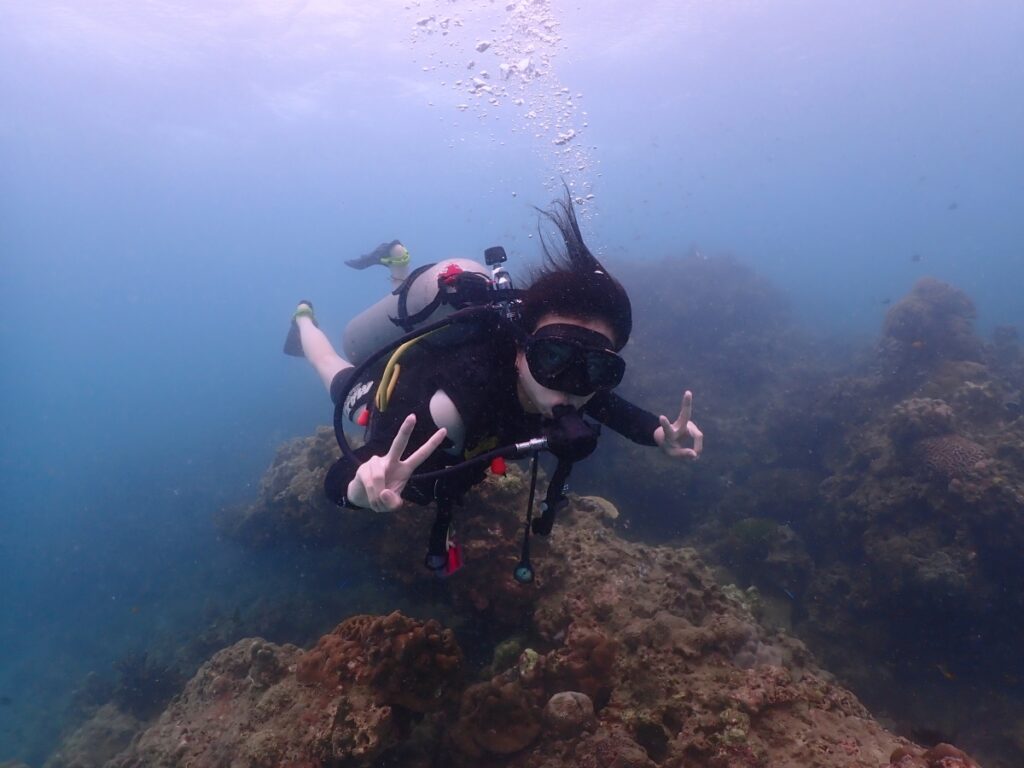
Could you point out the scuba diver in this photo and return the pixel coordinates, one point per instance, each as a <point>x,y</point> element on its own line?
<point>456,370</point>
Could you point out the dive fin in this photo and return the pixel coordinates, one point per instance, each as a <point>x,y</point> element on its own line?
<point>374,257</point>
<point>293,342</point>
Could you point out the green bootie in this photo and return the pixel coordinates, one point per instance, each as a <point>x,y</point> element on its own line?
<point>381,255</point>
<point>293,342</point>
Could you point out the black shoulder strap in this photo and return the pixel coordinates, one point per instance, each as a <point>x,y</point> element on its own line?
<point>404,320</point>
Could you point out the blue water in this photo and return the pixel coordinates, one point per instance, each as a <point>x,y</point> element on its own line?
<point>177,175</point>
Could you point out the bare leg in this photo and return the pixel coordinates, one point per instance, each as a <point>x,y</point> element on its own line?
<point>398,274</point>
<point>398,261</point>
<point>318,350</point>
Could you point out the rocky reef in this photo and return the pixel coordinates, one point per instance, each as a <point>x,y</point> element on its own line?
<point>925,496</point>
<point>291,505</point>
<point>867,502</point>
<point>874,496</point>
<point>347,701</point>
<point>621,653</point>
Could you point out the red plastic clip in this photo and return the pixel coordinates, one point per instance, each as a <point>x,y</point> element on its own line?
<point>498,466</point>
<point>454,557</point>
<point>363,418</point>
<point>448,276</point>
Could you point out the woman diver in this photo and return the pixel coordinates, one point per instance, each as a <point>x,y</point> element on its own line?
<point>535,369</point>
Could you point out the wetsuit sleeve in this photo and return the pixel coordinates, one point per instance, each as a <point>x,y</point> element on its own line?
<point>340,475</point>
<point>627,419</point>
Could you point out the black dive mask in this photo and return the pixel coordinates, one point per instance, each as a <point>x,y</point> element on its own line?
<point>569,436</point>
<point>569,358</point>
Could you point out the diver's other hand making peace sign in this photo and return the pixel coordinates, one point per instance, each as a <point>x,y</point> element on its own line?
<point>379,481</point>
<point>671,436</point>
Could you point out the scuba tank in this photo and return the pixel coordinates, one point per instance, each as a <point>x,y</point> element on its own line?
<point>418,301</point>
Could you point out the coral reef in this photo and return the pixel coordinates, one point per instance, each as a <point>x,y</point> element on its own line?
<point>143,685</point>
<point>291,503</point>
<point>918,418</point>
<point>568,713</point>
<point>923,499</point>
<point>939,756</point>
<point>875,494</point>
<point>496,718</point>
<point>949,456</point>
<point>633,656</point>
<point>772,553</point>
<point>101,738</point>
<point>932,324</point>
<point>676,687</point>
<point>899,471</point>
<point>407,663</point>
<point>345,702</point>
<point>755,376</point>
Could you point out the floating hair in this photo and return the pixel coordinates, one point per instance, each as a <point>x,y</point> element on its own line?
<point>572,282</point>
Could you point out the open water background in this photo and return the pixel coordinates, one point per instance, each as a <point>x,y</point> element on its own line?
<point>176,175</point>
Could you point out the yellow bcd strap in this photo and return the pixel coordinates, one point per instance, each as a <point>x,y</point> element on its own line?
<point>389,378</point>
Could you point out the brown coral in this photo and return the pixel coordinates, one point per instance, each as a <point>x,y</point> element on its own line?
<point>667,690</point>
<point>407,663</point>
<point>291,504</point>
<point>947,756</point>
<point>949,456</point>
<point>935,319</point>
<point>498,718</point>
<point>933,324</point>
<point>940,756</point>
<point>612,747</point>
<point>584,664</point>
<point>764,687</point>
<point>920,417</point>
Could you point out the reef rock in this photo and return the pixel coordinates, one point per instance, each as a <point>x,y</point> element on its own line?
<point>291,503</point>
<point>411,664</point>
<point>920,417</point>
<point>939,756</point>
<point>346,702</point>
<point>633,656</point>
<point>675,684</point>
<point>497,718</point>
<point>96,741</point>
<point>933,322</point>
<point>569,712</point>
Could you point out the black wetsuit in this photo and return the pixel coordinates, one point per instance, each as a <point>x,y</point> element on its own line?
<point>480,378</point>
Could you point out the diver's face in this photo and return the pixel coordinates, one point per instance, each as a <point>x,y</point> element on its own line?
<point>536,398</point>
<point>398,251</point>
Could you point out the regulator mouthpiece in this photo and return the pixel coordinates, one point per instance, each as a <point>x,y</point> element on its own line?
<point>569,436</point>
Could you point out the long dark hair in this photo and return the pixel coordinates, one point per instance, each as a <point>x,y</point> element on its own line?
<point>572,282</point>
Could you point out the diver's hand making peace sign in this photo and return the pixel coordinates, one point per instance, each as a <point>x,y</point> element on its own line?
<point>379,481</point>
<point>671,436</point>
